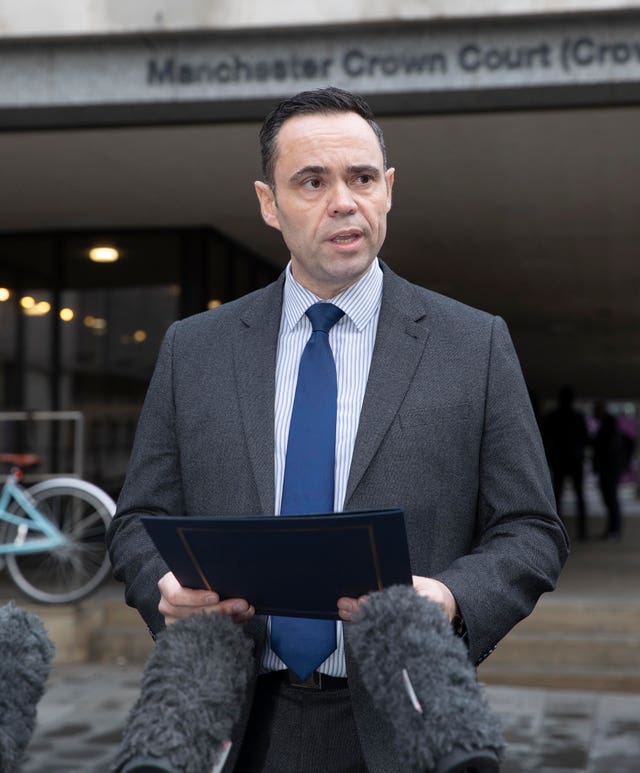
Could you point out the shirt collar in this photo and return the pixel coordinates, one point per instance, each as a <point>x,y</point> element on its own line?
<point>359,301</point>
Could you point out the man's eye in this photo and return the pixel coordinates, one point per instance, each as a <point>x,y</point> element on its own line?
<point>313,183</point>
<point>364,179</point>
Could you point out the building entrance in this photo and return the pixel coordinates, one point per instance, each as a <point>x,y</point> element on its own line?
<point>82,335</point>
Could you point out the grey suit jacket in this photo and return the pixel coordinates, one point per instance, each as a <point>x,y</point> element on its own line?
<point>446,433</point>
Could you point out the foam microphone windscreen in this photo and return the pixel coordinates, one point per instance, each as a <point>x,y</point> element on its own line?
<point>418,673</point>
<point>25,662</point>
<point>193,690</point>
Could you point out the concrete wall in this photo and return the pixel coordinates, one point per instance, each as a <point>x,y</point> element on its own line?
<point>33,18</point>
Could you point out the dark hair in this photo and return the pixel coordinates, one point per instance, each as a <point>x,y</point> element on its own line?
<point>320,101</point>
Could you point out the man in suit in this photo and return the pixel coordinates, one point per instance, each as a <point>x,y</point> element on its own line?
<point>565,437</point>
<point>432,417</point>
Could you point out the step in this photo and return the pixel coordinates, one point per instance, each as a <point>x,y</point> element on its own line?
<point>559,651</point>
<point>584,617</point>
<point>571,643</point>
<point>116,612</point>
<point>576,679</point>
<point>77,629</point>
<point>120,644</point>
<point>68,626</point>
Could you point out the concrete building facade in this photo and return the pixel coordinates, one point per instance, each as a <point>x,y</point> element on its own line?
<point>513,127</point>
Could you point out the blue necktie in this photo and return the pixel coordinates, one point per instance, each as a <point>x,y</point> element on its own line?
<point>303,644</point>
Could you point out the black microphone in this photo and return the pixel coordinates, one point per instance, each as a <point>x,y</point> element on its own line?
<point>419,676</point>
<point>25,661</point>
<point>193,690</point>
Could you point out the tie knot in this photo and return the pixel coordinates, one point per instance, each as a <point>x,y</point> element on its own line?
<point>323,316</point>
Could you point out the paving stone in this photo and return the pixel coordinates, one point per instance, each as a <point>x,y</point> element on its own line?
<point>83,712</point>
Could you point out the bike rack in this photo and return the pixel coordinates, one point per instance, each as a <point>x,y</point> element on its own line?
<point>50,416</point>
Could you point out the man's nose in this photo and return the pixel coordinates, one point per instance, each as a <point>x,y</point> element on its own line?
<point>342,200</point>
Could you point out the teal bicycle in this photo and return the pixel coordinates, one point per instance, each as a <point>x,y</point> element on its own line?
<point>52,535</point>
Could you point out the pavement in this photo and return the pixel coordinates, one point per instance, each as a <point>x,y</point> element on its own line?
<point>84,710</point>
<point>83,713</point>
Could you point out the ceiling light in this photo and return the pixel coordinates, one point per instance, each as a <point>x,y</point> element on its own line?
<point>104,254</point>
<point>95,323</point>
<point>139,336</point>
<point>27,302</point>
<point>214,304</point>
<point>37,309</point>
<point>4,294</point>
<point>66,315</point>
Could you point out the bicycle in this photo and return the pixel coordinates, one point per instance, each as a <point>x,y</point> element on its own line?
<point>52,534</point>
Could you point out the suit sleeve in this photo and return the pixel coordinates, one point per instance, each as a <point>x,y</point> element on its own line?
<point>521,544</point>
<point>152,487</point>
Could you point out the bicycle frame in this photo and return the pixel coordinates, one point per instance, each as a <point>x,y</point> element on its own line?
<point>53,538</point>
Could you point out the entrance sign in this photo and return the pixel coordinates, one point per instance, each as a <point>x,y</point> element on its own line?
<point>431,66</point>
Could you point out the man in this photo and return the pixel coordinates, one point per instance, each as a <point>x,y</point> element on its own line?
<point>432,416</point>
<point>566,437</point>
<point>610,459</point>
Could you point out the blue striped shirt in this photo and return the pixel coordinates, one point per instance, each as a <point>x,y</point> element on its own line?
<point>352,340</point>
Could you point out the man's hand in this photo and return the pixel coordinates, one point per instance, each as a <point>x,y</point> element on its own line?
<point>425,586</point>
<point>436,591</point>
<point>177,602</point>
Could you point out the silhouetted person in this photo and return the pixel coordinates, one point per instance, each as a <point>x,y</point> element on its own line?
<point>566,437</point>
<point>609,460</point>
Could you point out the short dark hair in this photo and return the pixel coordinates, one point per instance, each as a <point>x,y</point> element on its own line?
<point>320,101</point>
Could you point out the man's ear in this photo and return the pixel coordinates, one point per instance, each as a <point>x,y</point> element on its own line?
<point>268,208</point>
<point>390,176</point>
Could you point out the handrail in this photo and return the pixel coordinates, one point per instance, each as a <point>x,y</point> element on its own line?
<point>78,444</point>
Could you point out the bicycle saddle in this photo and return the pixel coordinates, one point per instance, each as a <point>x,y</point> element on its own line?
<point>24,461</point>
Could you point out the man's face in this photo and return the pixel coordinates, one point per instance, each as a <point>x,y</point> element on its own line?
<point>331,199</point>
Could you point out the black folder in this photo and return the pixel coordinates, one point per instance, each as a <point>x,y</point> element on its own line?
<point>295,565</point>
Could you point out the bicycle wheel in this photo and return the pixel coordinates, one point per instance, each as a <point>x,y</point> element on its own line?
<point>8,531</point>
<point>83,513</point>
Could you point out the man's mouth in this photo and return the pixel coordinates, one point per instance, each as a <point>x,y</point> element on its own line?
<point>346,237</point>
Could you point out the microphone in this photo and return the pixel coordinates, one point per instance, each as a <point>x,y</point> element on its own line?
<point>24,667</point>
<point>418,674</point>
<point>193,689</point>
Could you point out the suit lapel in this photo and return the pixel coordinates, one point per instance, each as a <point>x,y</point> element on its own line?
<point>255,347</point>
<point>400,341</point>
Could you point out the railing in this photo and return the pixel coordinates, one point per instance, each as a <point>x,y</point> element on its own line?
<point>31,418</point>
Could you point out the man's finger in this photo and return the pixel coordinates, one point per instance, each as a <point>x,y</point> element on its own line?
<point>348,606</point>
